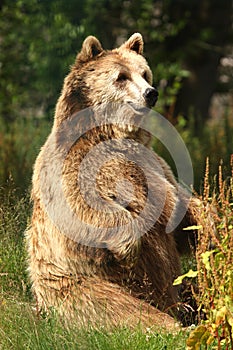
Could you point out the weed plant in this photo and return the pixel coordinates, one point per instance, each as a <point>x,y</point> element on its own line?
<point>214,258</point>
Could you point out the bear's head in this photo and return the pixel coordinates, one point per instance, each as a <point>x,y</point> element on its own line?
<point>99,76</point>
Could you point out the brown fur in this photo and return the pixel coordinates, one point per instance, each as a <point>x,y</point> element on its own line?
<point>128,279</point>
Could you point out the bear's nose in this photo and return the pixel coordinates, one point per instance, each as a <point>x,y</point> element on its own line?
<point>151,96</point>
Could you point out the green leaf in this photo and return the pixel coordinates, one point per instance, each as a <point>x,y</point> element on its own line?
<point>206,259</point>
<point>195,337</point>
<point>189,274</point>
<point>194,227</point>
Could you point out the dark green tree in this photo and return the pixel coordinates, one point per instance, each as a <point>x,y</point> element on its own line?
<point>38,42</point>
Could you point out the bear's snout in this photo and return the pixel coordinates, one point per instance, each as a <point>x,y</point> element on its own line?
<point>151,96</point>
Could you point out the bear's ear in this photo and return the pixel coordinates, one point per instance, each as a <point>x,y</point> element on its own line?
<point>134,43</point>
<point>91,48</point>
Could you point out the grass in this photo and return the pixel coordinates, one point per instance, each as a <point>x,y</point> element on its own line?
<point>214,140</point>
<point>20,142</point>
<point>13,220</point>
<point>22,328</point>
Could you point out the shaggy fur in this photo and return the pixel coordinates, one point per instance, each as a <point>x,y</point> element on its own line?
<point>125,278</point>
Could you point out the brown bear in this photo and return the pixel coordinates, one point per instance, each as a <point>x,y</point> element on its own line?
<point>97,244</point>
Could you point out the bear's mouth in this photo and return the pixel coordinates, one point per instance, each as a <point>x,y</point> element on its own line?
<point>138,109</point>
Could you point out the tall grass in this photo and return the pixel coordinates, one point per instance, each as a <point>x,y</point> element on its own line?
<point>214,256</point>
<point>20,142</point>
<point>13,220</point>
<point>20,329</point>
<point>214,141</point>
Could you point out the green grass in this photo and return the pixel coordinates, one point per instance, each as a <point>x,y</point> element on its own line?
<point>22,328</point>
<point>13,221</point>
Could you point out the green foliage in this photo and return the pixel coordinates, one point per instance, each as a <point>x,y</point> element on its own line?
<point>38,43</point>
<point>214,141</point>
<point>199,337</point>
<point>13,219</point>
<point>214,267</point>
<point>170,80</point>
<point>21,329</point>
<point>20,143</point>
<point>39,40</point>
<point>189,274</point>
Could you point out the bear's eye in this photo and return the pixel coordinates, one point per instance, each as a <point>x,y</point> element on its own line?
<point>145,76</point>
<point>122,77</point>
